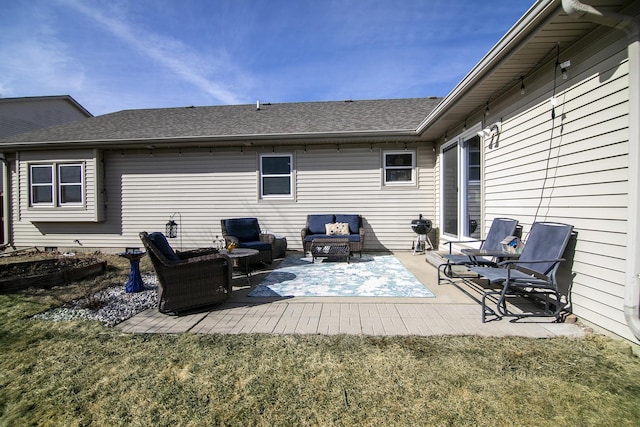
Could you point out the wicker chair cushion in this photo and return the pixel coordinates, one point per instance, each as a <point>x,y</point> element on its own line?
<point>352,220</point>
<point>260,246</point>
<point>160,242</point>
<point>245,229</point>
<point>317,223</point>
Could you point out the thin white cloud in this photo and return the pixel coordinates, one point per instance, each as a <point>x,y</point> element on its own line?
<point>183,61</point>
<point>36,61</point>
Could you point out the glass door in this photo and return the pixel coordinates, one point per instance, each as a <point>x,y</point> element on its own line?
<point>450,190</point>
<point>461,188</point>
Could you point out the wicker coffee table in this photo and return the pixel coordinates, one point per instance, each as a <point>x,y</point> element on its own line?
<point>336,247</point>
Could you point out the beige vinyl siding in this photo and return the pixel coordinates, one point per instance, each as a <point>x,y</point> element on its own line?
<point>144,188</point>
<point>573,170</point>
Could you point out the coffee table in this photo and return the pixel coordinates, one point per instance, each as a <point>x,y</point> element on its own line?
<point>240,257</point>
<point>331,247</point>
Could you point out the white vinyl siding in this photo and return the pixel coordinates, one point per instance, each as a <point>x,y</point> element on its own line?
<point>574,170</point>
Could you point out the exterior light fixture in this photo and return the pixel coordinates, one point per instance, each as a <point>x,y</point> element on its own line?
<point>171,228</point>
<point>486,111</point>
<point>522,91</point>
<point>563,69</point>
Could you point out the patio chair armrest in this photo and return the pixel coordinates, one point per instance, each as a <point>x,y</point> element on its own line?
<point>267,238</point>
<point>537,261</point>
<point>196,253</point>
<point>450,243</point>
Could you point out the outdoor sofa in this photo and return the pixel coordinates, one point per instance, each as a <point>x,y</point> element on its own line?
<point>334,226</point>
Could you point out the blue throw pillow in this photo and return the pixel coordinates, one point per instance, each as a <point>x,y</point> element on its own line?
<point>352,220</point>
<point>160,242</point>
<point>245,229</point>
<point>317,223</point>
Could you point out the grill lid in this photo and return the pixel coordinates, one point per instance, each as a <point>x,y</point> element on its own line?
<point>420,225</point>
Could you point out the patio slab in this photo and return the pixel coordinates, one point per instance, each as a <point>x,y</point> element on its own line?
<point>454,311</point>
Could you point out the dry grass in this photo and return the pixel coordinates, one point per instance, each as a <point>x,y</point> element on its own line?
<point>81,373</point>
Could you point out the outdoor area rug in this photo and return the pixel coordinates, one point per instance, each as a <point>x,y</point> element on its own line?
<point>369,276</point>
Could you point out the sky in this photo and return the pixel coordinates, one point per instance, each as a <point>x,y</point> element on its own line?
<point>113,55</point>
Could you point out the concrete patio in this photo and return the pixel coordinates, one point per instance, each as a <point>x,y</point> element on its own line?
<point>454,311</point>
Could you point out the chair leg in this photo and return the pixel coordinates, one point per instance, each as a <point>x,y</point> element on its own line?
<point>486,310</point>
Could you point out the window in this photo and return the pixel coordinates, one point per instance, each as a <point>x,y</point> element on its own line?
<point>42,185</point>
<point>70,185</point>
<point>276,176</point>
<point>399,167</point>
<point>56,185</point>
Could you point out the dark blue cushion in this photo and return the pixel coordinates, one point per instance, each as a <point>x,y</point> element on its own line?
<point>317,223</point>
<point>260,246</point>
<point>160,242</point>
<point>351,237</point>
<point>352,220</point>
<point>244,229</point>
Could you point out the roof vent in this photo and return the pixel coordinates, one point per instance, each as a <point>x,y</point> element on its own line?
<point>257,105</point>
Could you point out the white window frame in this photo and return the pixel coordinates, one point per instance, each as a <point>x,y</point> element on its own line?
<point>386,168</point>
<point>264,176</point>
<point>56,185</point>
<point>33,186</point>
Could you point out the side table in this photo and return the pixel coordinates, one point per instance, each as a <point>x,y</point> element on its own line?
<point>135,283</point>
<point>331,247</point>
<point>240,258</point>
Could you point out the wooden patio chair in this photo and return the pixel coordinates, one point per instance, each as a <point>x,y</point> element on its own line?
<point>500,229</point>
<point>533,274</point>
<point>187,280</point>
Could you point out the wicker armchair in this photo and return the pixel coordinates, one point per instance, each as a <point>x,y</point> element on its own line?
<point>245,233</point>
<point>187,280</point>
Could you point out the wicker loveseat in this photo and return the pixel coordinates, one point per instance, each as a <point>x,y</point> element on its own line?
<point>187,280</point>
<point>320,226</point>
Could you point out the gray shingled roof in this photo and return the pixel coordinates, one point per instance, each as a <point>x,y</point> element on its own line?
<point>234,121</point>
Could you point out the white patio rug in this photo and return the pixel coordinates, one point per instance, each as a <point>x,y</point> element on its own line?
<point>369,276</point>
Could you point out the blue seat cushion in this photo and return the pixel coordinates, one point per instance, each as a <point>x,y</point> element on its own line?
<point>317,223</point>
<point>352,220</point>
<point>260,246</point>
<point>351,237</point>
<point>244,229</point>
<point>160,242</point>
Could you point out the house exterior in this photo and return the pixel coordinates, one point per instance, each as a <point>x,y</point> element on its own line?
<point>132,170</point>
<point>19,115</point>
<point>544,128</point>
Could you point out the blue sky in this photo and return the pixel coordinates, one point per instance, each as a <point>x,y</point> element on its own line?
<point>115,55</point>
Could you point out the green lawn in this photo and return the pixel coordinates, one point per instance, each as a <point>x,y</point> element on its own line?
<point>82,373</point>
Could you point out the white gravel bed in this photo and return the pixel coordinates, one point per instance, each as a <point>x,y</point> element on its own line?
<point>113,305</point>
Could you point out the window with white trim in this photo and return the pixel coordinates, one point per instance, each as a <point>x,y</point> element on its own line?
<point>276,176</point>
<point>56,184</point>
<point>399,167</point>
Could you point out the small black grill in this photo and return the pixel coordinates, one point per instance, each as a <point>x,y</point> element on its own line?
<point>421,227</point>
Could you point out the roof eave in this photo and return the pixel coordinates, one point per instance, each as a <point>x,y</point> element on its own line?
<point>256,139</point>
<point>540,12</point>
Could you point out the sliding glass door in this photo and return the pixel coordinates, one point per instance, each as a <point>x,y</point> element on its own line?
<point>461,188</point>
